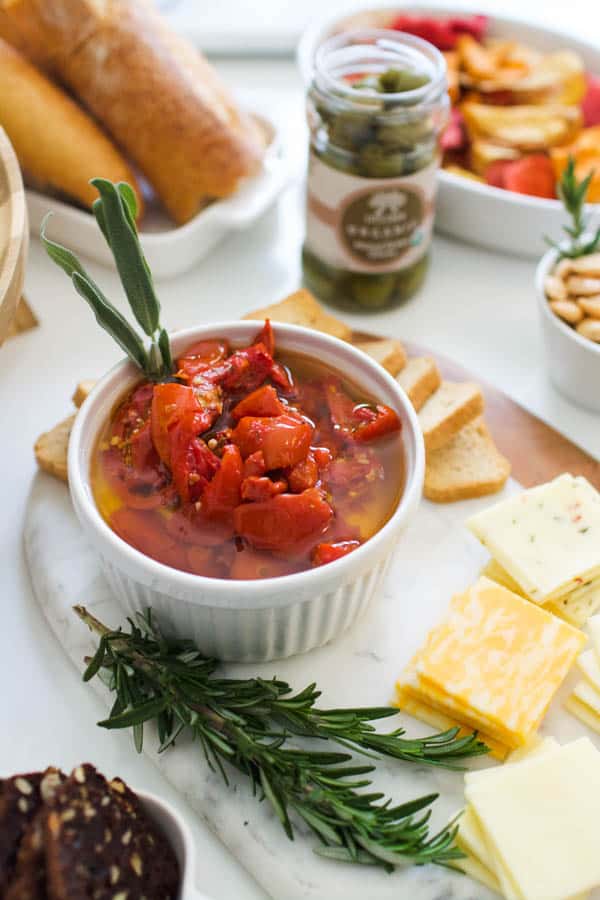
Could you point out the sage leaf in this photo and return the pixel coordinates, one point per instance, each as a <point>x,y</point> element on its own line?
<point>109,318</point>
<point>98,211</point>
<point>129,200</point>
<point>125,245</point>
<point>165,351</point>
<point>59,254</point>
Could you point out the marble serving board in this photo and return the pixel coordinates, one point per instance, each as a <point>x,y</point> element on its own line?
<point>436,557</point>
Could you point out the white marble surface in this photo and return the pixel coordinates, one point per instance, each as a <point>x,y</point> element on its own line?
<point>435,558</point>
<point>477,307</point>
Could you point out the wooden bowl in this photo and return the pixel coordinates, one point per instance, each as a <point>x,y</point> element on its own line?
<point>14,240</point>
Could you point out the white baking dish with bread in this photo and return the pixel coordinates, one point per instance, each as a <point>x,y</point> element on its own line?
<point>103,88</point>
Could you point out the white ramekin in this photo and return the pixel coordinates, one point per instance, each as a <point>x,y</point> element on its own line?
<point>249,620</point>
<point>178,835</point>
<point>572,361</point>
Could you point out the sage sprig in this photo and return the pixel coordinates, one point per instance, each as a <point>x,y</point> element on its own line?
<point>253,725</point>
<point>573,193</point>
<point>115,211</point>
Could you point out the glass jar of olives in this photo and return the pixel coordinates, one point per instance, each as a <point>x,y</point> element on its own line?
<point>377,104</point>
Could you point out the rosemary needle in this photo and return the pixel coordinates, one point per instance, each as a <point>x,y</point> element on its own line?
<point>573,194</point>
<point>249,724</point>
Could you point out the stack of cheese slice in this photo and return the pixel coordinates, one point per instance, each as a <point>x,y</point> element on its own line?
<point>545,546</point>
<point>493,664</point>
<point>529,828</point>
<point>584,702</point>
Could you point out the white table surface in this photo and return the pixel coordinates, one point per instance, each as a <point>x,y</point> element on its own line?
<point>477,307</point>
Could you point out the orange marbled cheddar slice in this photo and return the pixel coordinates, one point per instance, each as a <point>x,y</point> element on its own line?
<point>495,662</point>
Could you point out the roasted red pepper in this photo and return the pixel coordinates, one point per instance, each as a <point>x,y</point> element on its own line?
<point>285,523</point>
<point>284,440</point>
<point>245,466</point>
<point>326,553</point>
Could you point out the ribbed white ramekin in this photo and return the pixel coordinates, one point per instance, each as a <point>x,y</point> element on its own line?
<point>249,620</point>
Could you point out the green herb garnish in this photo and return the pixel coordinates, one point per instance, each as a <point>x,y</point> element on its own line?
<point>115,211</point>
<point>250,724</point>
<point>573,194</point>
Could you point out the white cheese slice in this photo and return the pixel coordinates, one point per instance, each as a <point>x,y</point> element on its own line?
<point>546,538</point>
<point>583,713</point>
<point>537,746</point>
<point>588,695</point>
<point>590,667</point>
<point>474,869</point>
<point>540,820</point>
<point>594,629</point>
<point>471,839</point>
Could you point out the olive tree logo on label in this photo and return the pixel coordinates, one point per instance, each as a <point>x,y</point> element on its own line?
<point>378,226</point>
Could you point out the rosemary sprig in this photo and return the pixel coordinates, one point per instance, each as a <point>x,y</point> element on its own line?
<point>249,724</point>
<point>115,211</point>
<point>573,194</point>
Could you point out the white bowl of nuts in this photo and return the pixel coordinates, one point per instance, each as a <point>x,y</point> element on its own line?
<point>569,300</point>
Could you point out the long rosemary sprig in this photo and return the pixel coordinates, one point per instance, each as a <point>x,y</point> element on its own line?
<point>249,724</point>
<point>573,193</point>
<point>115,211</point>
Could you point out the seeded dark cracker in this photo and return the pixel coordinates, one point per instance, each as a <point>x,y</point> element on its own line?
<point>20,800</point>
<point>29,879</point>
<point>100,844</point>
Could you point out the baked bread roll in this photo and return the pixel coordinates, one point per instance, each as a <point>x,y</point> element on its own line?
<point>153,92</point>
<point>43,30</point>
<point>58,145</point>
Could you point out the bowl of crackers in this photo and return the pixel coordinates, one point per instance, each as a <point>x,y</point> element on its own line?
<point>13,234</point>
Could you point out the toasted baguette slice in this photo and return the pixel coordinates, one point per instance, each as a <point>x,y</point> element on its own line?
<point>448,410</point>
<point>301,308</point>
<point>51,449</point>
<point>58,145</point>
<point>81,392</point>
<point>388,352</point>
<point>24,320</point>
<point>420,379</point>
<point>470,465</point>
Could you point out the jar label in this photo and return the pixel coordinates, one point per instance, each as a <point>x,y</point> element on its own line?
<point>369,224</point>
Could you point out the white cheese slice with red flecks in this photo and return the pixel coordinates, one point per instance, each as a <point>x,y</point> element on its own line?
<point>539,818</point>
<point>594,630</point>
<point>547,538</point>
<point>577,606</point>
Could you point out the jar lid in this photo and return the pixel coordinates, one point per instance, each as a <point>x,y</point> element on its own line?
<point>343,59</point>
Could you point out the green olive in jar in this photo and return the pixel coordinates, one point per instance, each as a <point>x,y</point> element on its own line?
<point>376,108</point>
